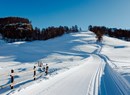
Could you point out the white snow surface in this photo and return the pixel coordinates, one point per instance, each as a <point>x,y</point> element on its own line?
<point>78,65</point>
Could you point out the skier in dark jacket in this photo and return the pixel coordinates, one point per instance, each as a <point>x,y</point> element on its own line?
<point>12,79</point>
<point>46,69</point>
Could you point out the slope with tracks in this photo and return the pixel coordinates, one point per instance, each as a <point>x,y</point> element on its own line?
<point>94,76</point>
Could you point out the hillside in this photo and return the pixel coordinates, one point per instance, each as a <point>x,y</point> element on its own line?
<point>77,66</point>
<point>15,29</point>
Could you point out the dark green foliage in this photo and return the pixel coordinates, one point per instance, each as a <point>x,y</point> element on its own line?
<point>112,32</point>
<point>16,28</point>
<point>99,31</point>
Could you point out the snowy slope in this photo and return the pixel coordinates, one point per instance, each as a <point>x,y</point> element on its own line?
<point>118,53</point>
<point>75,81</point>
<point>78,65</point>
<point>70,51</point>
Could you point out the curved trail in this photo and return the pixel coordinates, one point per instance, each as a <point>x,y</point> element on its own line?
<point>76,81</point>
<point>93,77</point>
<point>112,83</point>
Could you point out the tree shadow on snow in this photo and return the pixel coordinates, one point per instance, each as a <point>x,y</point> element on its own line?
<point>36,50</point>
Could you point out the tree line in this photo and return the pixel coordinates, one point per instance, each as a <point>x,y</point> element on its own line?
<point>112,32</point>
<point>20,29</point>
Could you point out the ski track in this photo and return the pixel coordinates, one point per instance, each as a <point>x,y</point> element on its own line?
<point>114,83</point>
<point>94,77</point>
<point>72,82</point>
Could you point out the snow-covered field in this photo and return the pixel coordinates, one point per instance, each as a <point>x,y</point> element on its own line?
<point>77,66</point>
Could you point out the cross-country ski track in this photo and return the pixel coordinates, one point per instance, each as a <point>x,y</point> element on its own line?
<point>95,75</point>
<point>102,80</point>
<point>76,81</point>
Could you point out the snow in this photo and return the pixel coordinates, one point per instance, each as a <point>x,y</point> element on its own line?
<point>78,65</point>
<point>71,82</point>
<point>118,53</point>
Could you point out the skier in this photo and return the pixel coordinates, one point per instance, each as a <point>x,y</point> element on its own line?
<point>12,79</point>
<point>46,69</point>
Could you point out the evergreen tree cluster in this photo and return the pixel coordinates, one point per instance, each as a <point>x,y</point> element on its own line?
<point>112,32</point>
<point>52,32</point>
<point>20,29</point>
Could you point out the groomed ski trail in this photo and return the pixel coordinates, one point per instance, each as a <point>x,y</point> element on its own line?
<point>80,80</point>
<point>112,83</point>
<point>94,77</point>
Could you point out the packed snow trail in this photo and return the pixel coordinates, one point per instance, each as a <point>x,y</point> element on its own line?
<point>94,75</point>
<point>76,81</point>
<point>112,83</point>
